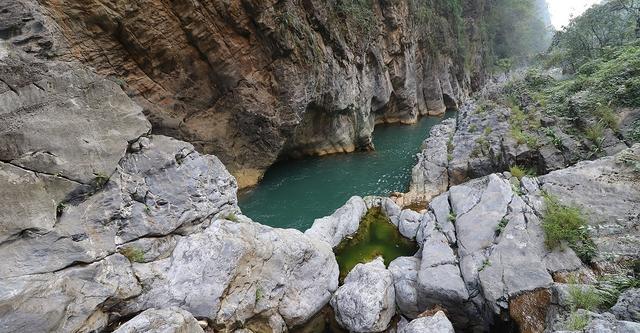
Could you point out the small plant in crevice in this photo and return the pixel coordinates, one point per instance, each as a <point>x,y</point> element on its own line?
<point>563,223</point>
<point>502,225</point>
<point>555,140</point>
<point>132,253</point>
<point>452,217</point>
<point>519,172</point>
<point>486,263</point>
<point>473,128</point>
<point>100,179</point>
<point>60,208</point>
<point>259,293</point>
<point>232,217</point>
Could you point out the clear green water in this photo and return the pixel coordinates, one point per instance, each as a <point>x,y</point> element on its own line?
<point>295,192</point>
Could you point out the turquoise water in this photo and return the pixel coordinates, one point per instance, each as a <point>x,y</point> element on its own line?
<point>295,192</point>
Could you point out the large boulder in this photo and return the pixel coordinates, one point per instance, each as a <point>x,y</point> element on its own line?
<point>170,320</point>
<point>234,271</point>
<point>366,300</point>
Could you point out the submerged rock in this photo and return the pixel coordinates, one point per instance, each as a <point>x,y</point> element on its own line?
<point>366,300</point>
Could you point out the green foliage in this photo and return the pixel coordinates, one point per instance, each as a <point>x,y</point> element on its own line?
<point>518,30</point>
<point>566,223</point>
<point>60,208</point>
<point>634,133</point>
<point>359,15</point>
<point>473,128</point>
<point>607,116</point>
<point>585,297</point>
<point>487,131</point>
<point>520,172</point>
<point>452,217</point>
<point>503,224</point>
<point>486,263</point>
<point>100,179</point>
<point>595,133</point>
<point>132,253</point>
<point>232,217</point>
<point>611,286</point>
<point>259,293</point>
<point>557,142</point>
<point>589,36</point>
<point>577,321</point>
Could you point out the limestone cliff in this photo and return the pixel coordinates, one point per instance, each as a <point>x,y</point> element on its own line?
<point>252,81</point>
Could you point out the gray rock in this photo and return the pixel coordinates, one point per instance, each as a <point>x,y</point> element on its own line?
<point>342,223</point>
<point>67,301</point>
<point>234,271</point>
<point>170,320</point>
<point>441,210</point>
<point>628,305</point>
<point>438,323</point>
<point>408,223</point>
<point>405,276</point>
<point>366,300</point>
<point>151,194</point>
<point>62,119</point>
<point>429,177</point>
<point>607,323</point>
<point>606,193</point>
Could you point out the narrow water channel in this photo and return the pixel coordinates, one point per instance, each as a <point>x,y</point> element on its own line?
<point>295,192</point>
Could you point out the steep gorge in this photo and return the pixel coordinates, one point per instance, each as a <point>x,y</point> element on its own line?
<point>254,81</point>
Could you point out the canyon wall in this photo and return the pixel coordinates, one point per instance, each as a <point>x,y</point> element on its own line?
<point>254,81</point>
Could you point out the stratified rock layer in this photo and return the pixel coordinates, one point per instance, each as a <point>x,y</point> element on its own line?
<point>253,80</point>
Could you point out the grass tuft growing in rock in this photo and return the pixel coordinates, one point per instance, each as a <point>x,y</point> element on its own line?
<point>587,298</point>
<point>132,253</point>
<point>520,172</point>
<point>562,223</point>
<point>577,321</point>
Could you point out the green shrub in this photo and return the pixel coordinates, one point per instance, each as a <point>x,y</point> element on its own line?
<point>595,133</point>
<point>520,172</point>
<point>232,217</point>
<point>634,134</point>
<point>588,298</point>
<point>607,117</point>
<point>132,253</point>
<point>566,223</point>
<point>473,128</point>
<point>577,321</point>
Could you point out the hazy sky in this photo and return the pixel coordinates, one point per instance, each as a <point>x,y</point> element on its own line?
<point>563,10</point>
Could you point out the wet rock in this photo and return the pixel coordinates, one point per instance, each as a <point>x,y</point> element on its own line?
<point>342,223</point>
<point>366,300</point>
<point>628,305</point>
<point>437,323</point>
<point>170,320</point>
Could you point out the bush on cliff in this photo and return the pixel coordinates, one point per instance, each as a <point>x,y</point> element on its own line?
<point>562,223</point>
